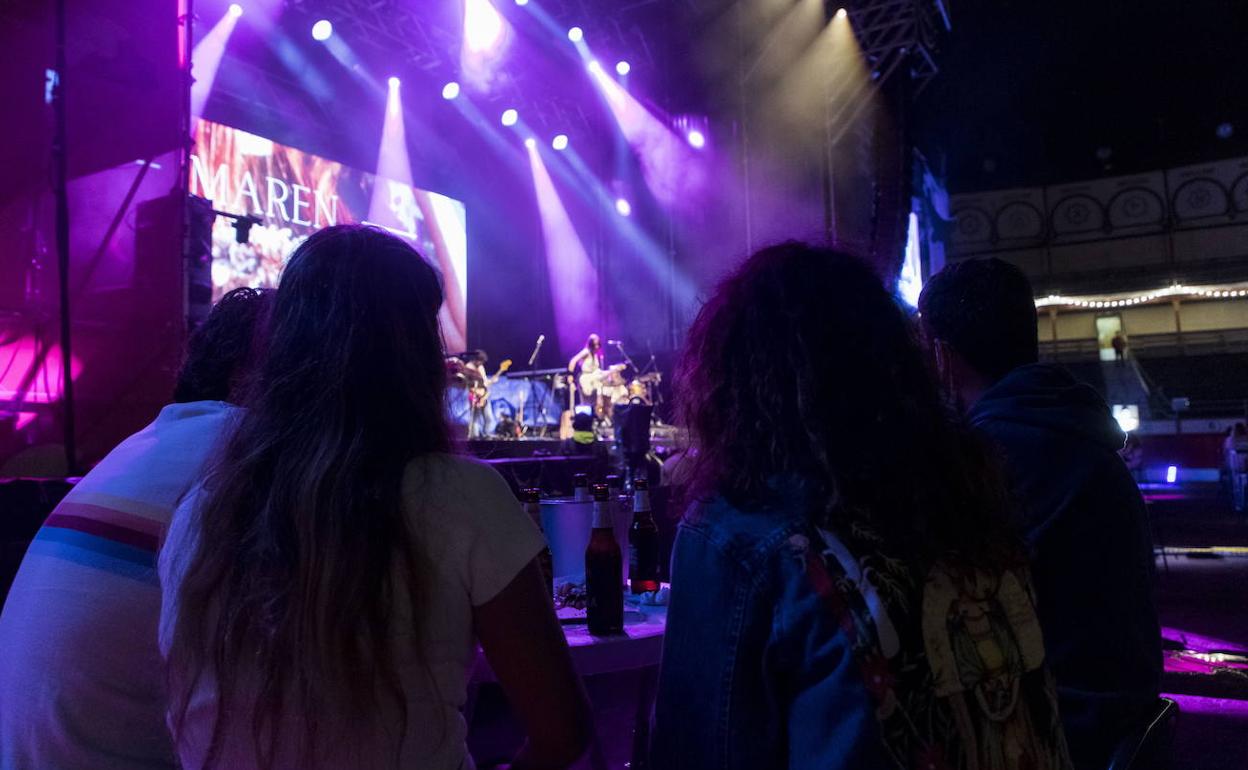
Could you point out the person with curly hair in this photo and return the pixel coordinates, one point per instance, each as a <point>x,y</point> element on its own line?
<point>845,591</point>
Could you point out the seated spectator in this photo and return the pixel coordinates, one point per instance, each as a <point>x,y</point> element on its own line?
<point>80,676</point>
<point>1081,513</point>
<point>325,589</point>
<point>843,592</point>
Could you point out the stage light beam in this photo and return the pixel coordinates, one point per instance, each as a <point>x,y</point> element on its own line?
<point>560,142</point>
<point>206,58</point>
<point>450,91</point>
<point>673,172</point>
<point>322,30</point>
<point>484,27</point>
<point>393,82</point>
<point>696,139</point>
<point>622,68</point>
<point>576,34</point>
<point>530,142</point>
<point>509,117</point>
<point>841,13</point>
<point>572,276</point>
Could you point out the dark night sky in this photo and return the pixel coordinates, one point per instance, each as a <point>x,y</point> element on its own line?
<point>1029,91</point>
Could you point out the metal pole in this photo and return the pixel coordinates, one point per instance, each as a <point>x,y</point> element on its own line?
<point>61,176</point>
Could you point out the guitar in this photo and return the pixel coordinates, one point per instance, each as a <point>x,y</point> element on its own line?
<point>479,391</point>
<point>592,382</point>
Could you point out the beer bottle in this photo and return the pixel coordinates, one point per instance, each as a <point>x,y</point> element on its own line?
<point>643,540</point>
<point>580,488</point>
<point>603,588</point>
<point>532,499</point>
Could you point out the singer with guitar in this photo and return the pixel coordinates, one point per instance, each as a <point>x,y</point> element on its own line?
<point>480,415</point>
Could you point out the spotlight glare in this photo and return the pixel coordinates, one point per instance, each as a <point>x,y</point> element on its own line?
<point>696,138</point>
<point>841,13</point>
<point>236,10</point>
<point>623,207</point>
<point>510,116</point>
<point>622,68</point>
<point>576,34</point>
<point>522,3</point>
<point>322,30</point>
<point>450,90</point>
<point>594,66</point>
<point>394,82</point>
<point>560,142</point>
<point>530,142</point>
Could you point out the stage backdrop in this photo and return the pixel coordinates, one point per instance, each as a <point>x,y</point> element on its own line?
<point>295,194</point>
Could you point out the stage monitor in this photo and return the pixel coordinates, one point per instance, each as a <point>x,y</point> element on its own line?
<point>295,193</point>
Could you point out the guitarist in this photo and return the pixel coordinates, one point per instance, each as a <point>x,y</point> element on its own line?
<point>480,416</point>
<point>591,360</point>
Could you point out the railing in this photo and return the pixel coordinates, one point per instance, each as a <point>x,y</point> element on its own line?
<point>1170,344</point>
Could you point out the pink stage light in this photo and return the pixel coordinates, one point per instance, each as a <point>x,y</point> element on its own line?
<point>31,371</point>
<point>572,276</point>
<point>206,58</point>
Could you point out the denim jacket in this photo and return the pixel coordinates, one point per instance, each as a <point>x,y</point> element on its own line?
<point>789,646</point>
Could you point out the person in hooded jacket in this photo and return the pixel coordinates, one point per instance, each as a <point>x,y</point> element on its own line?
<point>1080,511</point>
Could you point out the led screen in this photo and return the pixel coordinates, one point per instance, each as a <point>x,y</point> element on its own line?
<point>295,193</point>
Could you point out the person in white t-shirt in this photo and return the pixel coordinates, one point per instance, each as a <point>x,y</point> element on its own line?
<point>81,684</point>
<point>325,589</point>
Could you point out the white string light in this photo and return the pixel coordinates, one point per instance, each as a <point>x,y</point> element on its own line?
<point>1116,301</point>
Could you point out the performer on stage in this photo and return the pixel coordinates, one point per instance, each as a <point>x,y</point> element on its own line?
<point>590,360</point>
<point>480,416</point>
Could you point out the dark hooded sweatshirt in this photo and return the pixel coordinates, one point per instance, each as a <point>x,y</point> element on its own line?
<point>1087,529</point>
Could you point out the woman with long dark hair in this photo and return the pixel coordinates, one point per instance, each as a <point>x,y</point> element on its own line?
<point>324,587</point>
<point>844,592</point>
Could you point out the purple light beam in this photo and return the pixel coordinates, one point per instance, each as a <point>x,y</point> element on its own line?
<point>573,280</point>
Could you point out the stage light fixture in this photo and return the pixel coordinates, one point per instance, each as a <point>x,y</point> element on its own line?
<point>450,90</point>
<point>696,139</point>
<point>510,116</point>
<point>622,68</point>
<point>522,3</point>
<point>322,30</point>
<point>394,82</point>
<point>623,207</point>
<point>594,67</point>
<point>530,142</point>
<point>236,10</point>
<point>841,13</point>
<point>560,142</point>
<point>576,34</point>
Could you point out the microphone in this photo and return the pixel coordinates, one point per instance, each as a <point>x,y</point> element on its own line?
<point>536,348</point>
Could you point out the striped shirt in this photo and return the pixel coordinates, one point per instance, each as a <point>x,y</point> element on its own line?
<point>81,681</point>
